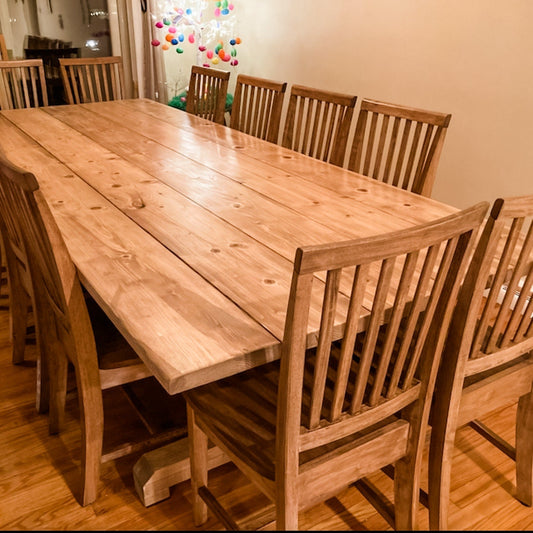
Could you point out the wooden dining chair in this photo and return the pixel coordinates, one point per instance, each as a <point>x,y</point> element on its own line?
<point>318,123</point>
<point>206,95</point>
<point>489,353</point>
<point>305,428</point>
<point>398,145</point>
<point>22,84</point>
<point>21,305</point>
<point>94,79</point>
<point>257,106</point>
<point>70,334</point>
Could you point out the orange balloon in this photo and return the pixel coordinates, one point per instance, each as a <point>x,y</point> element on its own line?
<point>165,47</point>
<point>169,37</point>
<point>238,40</point>
<point>221,54</point>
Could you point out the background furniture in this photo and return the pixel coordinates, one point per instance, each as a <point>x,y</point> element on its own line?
<point>257,106</point>
<point>307,428</point>
<point>22,84</point>
<point>96,79</point>
<point>488,354</point>
<point>50,58</point>
<point>318,122</point>
<point>398,145</point>
<point>206,96</point>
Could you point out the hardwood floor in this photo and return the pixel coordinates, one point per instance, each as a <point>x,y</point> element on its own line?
<point>38,474</point>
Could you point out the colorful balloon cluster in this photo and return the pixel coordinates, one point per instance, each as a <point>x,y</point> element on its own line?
<point>193,32</point>
<point>223,8</point>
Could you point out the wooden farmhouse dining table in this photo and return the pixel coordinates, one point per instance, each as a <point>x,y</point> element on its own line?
<point>184,231</point>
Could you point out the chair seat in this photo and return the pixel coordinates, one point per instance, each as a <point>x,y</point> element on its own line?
<point>241,411</point>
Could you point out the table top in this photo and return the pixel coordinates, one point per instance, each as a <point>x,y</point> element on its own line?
<point>185,231</point>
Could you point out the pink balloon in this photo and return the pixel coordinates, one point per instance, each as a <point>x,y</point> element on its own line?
<point>155,42</point>
<point>209,54</point>
<point>191,38</point>
<point>217,12</point>
<point>172,29</point>
<point>230,7</point>
<point>159,24</point>
<point>202,48</point>
<point>234,62</point>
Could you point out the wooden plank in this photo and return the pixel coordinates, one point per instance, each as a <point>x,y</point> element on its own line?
<point>164,467</point>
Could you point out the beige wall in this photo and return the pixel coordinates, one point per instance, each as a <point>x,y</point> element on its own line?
<point>471,58</point>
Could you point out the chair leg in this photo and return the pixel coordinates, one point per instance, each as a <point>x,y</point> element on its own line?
<point>198,458</point>
<point>58,372</point>
<point>92,429</point>
<point>287,502</point>
<point>406,494</point>
<point>18,311</point>
<point>524,449</point>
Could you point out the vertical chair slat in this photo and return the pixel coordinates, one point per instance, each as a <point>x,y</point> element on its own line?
<point>402,152</point>
<point>422,156</point>
<point>412,154</point>
<point>370,145</point>
<point>329,308</point>
<point>427,317</point>
<point>371,334</point>
<point>416,308</point>
<point>506,325</point>
<point>391,149</point>
<point>96,77</point>
<point>380,148</point>
<point>348,341</point>
<point>393,326</point>
<point>481,338</point>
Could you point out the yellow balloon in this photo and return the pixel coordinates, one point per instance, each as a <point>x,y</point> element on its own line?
<point>215,60</point>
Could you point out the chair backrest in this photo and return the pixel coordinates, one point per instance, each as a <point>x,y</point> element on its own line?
<point>257,106</point>
<point>398,145</point>
<point>318,123</point>
<point>96,79</point>
<point>495,308</point>
<point>59,301</point>
<point>206,96</point>
<point>387,361</point>
<point>22,84</point>
<point>4,56</point>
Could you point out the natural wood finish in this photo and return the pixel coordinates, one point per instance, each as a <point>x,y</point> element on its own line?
<point>257,106</point>
<point>487,362</point>
<point>318,123</point>
<point>188,246</point>
<point>92,79</point>
<point>67,330</point>
<point>398,145</point>
<point>167,466</point>
<point>4,56</point>
<point>307,427</point>
<point>206,95</point>
<point>22,84</point>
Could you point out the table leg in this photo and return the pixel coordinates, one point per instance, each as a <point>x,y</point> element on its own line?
<point>158,470</point>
